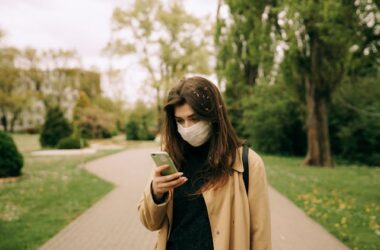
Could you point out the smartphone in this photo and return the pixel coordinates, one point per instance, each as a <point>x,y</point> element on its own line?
<point>163,158</point>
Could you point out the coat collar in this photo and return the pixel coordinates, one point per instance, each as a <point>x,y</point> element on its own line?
<point>238,163</point>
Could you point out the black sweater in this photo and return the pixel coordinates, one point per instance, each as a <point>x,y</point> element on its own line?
<point>191,226</point>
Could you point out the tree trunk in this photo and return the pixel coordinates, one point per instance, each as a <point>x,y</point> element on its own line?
<point>318,145</point>
<point>13,120</point>
<point>4,122</point>
<point>325,141</point>
<point>159,109</point>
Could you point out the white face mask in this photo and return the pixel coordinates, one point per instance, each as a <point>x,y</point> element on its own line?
<point>197,134</point>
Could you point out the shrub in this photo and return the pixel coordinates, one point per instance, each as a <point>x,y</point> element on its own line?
<point>141,123</point>
<point>93,122</point>
<point>355,122</point>
<point>138,131</point>
<point>104,132</point>
<point>131,130</point>
<point>55,128</point>
<point>69,143</point>
<point>114,132</point>
<point>33,130</point>
<point>11,161</point>
<point>273,120</point>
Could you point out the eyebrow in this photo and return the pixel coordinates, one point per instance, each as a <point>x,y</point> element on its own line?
<point>189,116</point>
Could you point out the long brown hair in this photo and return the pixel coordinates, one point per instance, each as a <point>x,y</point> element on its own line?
<point>206,101</point>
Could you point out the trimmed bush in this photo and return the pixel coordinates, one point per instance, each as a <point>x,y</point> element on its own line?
<point>55,128</point>
<point>69,143</point>
<point>11,161</point>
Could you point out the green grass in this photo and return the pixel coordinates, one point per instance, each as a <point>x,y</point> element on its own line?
<point>52,192</point>
<point>26,143</point>
<point>345,200</point>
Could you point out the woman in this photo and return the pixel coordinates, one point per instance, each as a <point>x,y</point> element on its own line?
<point>205,205</point>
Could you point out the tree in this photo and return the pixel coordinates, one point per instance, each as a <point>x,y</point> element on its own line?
<point>365,59</point>
<point>2,34</point>
<point>94,122</point>
<point>325,42</point>
<point>89,82</point>
<point>55,75</point>
<point>355,121</point>
<point>245,51</point>
<point>8,83</point>
<point>57,79</point>
<point>55,128</point>
<point>320,36</point>
<point>273,119</point>
<point>167,41</point>
<point>14,92</point>
<point>82,102</point>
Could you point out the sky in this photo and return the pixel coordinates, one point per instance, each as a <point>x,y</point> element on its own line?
<point>83,25</point>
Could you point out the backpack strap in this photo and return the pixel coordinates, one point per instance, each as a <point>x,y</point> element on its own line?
<point>246,169</point>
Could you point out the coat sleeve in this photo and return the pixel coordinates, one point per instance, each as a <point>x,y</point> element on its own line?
<point>260,223</point>
<point>152,215</point>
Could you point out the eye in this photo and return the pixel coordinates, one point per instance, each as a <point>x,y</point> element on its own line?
<point>180,121</point>
<point>194,119</point>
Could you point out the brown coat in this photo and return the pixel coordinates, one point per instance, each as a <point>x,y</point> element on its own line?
<point>228,208</point>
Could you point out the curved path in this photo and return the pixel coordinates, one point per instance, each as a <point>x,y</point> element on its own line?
<point>112,223</point>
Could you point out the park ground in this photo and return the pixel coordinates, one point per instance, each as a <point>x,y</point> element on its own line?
<point>53,192</point>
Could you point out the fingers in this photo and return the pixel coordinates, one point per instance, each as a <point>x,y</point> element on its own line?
<point>162,184</point>
<point>157,170</point>
<point>171,184</point>
<point>181,183</point>
<point>170,177</point>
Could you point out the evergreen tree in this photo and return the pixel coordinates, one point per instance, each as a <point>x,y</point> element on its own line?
<point>55,128</point>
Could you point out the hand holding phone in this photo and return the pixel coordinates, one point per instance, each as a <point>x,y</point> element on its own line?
<point>166,176</point>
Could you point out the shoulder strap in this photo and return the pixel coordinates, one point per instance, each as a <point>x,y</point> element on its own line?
<point>246,169</point>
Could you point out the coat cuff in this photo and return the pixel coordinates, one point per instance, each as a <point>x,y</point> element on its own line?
<point>164,198</point>
<point>156,203</point>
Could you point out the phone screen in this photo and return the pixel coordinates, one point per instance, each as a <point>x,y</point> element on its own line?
<point>162,158</point>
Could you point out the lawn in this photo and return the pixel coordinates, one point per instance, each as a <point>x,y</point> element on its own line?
<point>345,199</point>
<point>52,192</point>
<point>26,143</point>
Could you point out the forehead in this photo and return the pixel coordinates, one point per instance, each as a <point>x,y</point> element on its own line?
<point>183,111</point>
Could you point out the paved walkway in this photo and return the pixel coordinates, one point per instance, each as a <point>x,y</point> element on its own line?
<point>113,224</point>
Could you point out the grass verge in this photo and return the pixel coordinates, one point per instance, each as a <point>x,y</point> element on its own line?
<point>52,192</point>
<point>345,199</point>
